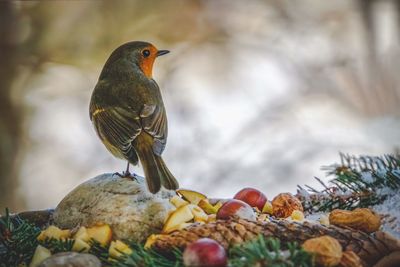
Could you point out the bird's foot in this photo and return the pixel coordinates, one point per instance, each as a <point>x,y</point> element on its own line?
<point>126,174</point>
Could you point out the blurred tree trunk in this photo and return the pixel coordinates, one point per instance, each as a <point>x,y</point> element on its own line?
<point>10,118</point>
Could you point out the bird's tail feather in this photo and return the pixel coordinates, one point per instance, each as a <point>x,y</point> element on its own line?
<point>155,170</point>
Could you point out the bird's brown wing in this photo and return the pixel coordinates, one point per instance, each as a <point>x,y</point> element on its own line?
<point>117,127</point>
<point>154,121</point>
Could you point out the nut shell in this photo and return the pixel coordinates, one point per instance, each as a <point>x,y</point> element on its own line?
<point>284,204</point>
<point>361,219</point>
<point>326,249</point>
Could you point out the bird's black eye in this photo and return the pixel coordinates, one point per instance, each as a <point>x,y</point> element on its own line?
<point>146,53</point>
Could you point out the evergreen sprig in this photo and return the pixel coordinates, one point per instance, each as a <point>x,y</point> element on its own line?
<point>57,245</point>
<point>100,251</point>
<point>17,240</point>
<point>358,182</point>
<point>149,257</point>
<point>268,252</point>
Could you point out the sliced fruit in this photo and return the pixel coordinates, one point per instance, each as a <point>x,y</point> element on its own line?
<point>324,220</point>
<point>80,246</point>
<point>191,196</point>
<point>54,232</point>
<point>82,234</point>
<point>267,208</point>
<point>236,208</point>
<point>198,213</point>
<point>118,248</point>
<point>180,215</point>
<point>205,252</point>
<point>218,205</point>
<point>208,207</point>
<point>178,201</point>
<point>297,215</point>
<point>181,226</point>
<point>252,196</point>
<point>100,233</point>
<point>41,253</point>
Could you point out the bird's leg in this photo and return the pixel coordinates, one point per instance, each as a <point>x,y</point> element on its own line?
<point>126,173</point>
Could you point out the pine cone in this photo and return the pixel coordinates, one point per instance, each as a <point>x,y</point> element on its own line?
<point>370,248</point>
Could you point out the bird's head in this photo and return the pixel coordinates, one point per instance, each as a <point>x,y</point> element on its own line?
<point>140,54</point>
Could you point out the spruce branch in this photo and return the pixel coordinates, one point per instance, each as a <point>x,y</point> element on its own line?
<point>17,240</point>
<point>100,252</point>
<point>268,252</point>
<point>149,257</point>
<point>358,182</point>
<point>57,245</point>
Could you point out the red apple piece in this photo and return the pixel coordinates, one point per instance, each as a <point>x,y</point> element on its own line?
<point>252,196</point>
<point>205,252</point>
<point>236,208</point>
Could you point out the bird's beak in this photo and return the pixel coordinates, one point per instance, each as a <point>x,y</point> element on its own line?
<point>162,52</point>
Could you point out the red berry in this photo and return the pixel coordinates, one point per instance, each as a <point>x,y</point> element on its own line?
<point>236,208</point>
<point>253,197</point>
<point>205,252</point>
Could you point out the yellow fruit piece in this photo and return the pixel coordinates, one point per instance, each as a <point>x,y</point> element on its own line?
<point>324,220</point>
<point>297,215</point>
<point>54,232</point>
<point>82,234</point>
<point>181,215</point>
<point>218,205</point>
<point>118,248</point>
<point>191,196</point>
<point>208,207</point>
<point>178,201</point>
<point>41,253</point>
<point>198,214</point>
<point>80,246</point>
<point>100,233</point>
<point>267,208</point>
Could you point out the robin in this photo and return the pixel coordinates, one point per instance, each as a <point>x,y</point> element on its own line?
<point>128,113</point>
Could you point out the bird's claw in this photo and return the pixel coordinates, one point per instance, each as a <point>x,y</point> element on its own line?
<point>126,174</point>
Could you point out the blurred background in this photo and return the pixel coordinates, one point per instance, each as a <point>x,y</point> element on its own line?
<point>258,93</point>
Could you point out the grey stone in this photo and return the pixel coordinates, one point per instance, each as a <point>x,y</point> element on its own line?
<point>125,204</point>
<point>71,259</point>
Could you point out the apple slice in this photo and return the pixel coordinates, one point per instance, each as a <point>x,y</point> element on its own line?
<point>297,215</point>
<point>191,196</point>
<point>198,213</point>
<point>178,201</point>
<point>208,207</point>
<point>82,234</point>
<point>181,226</point>
<point>41,253</point>
<point>100,233</point>
<point>180,215</point>
<point>267,208</point>
<point>80,246</point>
<point>118,249</point>
<point>54,232</point>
